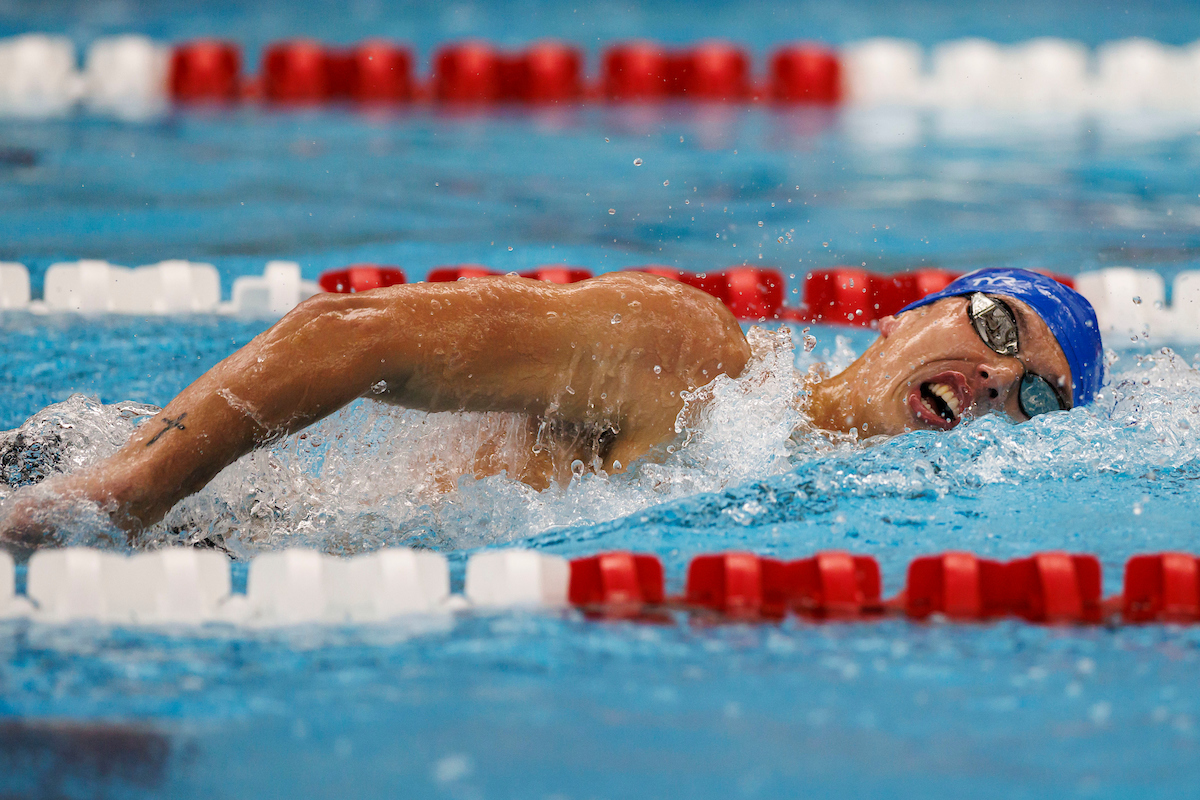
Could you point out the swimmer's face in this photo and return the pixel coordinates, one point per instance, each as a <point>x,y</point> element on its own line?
<point>930,369</point>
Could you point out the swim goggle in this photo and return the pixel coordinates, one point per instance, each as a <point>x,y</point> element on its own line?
<point>996,325</point>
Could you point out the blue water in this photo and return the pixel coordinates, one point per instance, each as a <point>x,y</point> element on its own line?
<point>550,705</point>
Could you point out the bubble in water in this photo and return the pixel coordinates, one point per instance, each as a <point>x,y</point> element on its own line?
<point>637,162</point>
<point>612,211</point>
<point>1137,301</point>
<point>615,319</point>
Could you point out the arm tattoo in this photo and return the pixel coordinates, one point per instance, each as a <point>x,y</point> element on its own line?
<point>170,423</point>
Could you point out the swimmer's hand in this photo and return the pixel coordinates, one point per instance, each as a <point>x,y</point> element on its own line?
<point>34,516</point>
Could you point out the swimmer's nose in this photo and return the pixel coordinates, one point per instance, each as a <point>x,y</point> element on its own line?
<point>996,382</point>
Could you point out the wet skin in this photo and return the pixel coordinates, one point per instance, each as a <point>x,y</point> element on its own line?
<point>607,359</point>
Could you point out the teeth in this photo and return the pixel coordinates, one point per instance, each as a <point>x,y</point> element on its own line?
<point>947,394</point>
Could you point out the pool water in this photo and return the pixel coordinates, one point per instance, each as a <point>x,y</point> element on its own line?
<point>547,705</point>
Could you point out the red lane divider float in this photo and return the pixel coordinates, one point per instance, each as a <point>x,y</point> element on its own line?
<point>360,278</point>
<point>807,73</point>
<point>841,296</point>
<point>647,71</point>
<point>445,274</point>
<point>1047,588</point>
<point>206,71</point>
<point>1162,588</point>
<point>476,72</point>
<point>625,585</point>
<point>304,71</point>
<point>830,584</point>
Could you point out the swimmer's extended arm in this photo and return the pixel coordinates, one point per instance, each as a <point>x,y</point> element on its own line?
<point>615,351</point>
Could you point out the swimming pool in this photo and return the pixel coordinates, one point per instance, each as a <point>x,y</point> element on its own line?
<point>523,704</point>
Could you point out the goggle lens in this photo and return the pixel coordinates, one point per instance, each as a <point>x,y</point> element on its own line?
<point>997,327</point>
<point>994,323</point>
<point>1037,396</point>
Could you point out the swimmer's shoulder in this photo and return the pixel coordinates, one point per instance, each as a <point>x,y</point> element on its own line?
<point>666,294</point>
<point>686,317</point>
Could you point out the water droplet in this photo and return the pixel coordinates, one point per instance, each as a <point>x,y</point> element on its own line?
<point>615,319</point>
<point>760,223</point>
<point>612,211</point>
<point>570,390</point>
<point>657,369</point>
<point>1137,301</point>
<point>379,388</point>
<point>810,342</point>
<point>666,183</point>
<point>637,162</point>
<point>510,248</point>
<point>606,139</point>
<point>616,465</point>
<point>780,240</point>
<point>577,468</point>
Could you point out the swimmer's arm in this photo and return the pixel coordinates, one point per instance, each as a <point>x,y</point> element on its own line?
<point>585,353</point>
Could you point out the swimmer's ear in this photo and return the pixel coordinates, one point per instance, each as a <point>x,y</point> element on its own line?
<point>887,325</point>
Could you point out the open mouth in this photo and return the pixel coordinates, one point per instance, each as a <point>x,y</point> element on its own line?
<point>940,402</point>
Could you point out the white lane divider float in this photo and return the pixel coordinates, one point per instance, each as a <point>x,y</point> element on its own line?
<point>515,578</point>
<point>168,287</point>
<point>38,77</point>
<point>1133,302</point>
<point>177,585</point>
<point>189,586</point>
<point>14,286</point>
<point>299,586</point>
<point>126,76</point>
<point>1041,74</point>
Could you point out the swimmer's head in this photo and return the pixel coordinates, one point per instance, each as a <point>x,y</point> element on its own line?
<point>997,340</point>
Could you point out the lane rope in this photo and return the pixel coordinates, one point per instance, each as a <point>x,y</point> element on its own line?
<point>296,586</point>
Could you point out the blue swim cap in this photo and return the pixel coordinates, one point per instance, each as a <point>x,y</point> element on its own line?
<point>1065,311</point>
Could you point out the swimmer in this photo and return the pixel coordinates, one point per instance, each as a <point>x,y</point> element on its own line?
<point>606,361</point>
